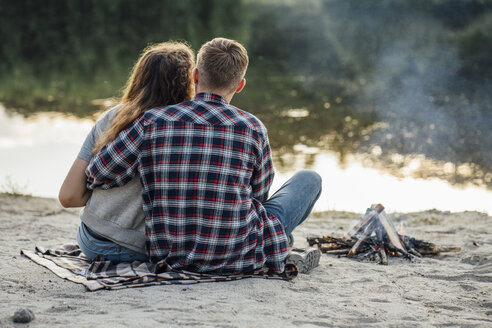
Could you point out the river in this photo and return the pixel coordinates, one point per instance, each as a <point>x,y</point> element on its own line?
<point>37,152</point>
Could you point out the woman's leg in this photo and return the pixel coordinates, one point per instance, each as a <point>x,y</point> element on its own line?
<point>92,246</point>
<point>293,202</point>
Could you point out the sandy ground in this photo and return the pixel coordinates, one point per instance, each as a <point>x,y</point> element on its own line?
<point>453,290</point>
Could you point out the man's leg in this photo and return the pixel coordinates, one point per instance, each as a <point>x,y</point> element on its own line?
<point>293,202</point>
<point>93,246</point>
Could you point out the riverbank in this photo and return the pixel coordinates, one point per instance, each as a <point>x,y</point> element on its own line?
<point>451,290</point>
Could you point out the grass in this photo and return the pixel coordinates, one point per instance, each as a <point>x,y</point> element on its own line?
<point>429,220</point>
<point>12,188</point>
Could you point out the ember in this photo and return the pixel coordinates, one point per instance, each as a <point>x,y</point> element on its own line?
<point>375,238</point>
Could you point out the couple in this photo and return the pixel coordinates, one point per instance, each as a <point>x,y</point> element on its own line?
<point>176,173</point>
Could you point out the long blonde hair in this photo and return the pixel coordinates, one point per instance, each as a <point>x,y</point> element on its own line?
<point>162,76</point>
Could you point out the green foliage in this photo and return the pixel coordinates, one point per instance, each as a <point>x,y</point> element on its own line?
<point>63,54</point>
<point>75,51</point>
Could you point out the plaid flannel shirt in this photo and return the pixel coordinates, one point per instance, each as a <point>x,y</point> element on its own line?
<point>205,167</point>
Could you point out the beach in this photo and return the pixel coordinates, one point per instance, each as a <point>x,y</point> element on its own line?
<point>442,291</point>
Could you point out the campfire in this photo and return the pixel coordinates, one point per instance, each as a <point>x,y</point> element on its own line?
<point>375,238</point>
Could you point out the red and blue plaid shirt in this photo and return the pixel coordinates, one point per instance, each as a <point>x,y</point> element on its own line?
<point>205,167</point>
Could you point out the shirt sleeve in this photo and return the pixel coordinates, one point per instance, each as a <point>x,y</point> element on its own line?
<point>117,162</point>
<point>85,152</point>
<point>263,173</point>
<point>102,124</point>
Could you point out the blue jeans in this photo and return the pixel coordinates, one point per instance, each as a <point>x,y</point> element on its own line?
<point>93,245</point>
<point>293,202</point>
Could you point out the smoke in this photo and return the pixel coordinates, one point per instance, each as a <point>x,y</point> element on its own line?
<point>409,88</point>
<point>409,64</point>
<point>414,81</point>
<point>416,88</point>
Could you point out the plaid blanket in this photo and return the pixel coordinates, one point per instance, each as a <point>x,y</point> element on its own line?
<point>70,263</point>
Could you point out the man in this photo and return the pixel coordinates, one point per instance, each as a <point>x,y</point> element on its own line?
<point>206,170</point>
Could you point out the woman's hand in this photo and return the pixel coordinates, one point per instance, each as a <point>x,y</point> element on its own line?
<point>73,192</point>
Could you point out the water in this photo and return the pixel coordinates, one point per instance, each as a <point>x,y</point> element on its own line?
<point>37,152</point>
<point>391,110</point>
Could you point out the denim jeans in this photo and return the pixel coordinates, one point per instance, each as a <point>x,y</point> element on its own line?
<point>106,249</point>
<point>293,202</point>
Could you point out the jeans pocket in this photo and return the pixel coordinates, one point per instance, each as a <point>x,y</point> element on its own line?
<point>93,247</point>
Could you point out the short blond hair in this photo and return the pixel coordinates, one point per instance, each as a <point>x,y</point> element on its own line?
<point>222,64</point>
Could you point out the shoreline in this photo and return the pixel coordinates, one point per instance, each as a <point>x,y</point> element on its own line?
<point>435,291</point>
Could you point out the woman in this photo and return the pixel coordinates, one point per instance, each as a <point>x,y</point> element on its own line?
<point>112,222</point>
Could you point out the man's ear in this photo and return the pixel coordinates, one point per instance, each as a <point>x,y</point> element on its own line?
<point>195,75</point>
<point>241,85</point>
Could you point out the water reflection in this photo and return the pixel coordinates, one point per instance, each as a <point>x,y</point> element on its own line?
<point>400,153</point>
<point>409,96</point>
<point>419,166</point>
<point>37,152</point>
<point>355,186</point>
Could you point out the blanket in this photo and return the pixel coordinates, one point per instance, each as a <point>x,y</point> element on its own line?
<point>70,263</point>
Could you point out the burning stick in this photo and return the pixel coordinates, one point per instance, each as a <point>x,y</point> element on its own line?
<point>331,247</point>
<point>437,250</point>
<point>364,255</point>
<point>334,251</point>
<point>371,213</point>
<point>314,240</point>
<point>384,258</point>
<point>391,232</point>
<point>367,232</point>
<point>425,248</point>
<point>377,257</point>
<point>414,252</point>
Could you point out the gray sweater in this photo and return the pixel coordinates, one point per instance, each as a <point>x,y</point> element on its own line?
<point>115,214</point>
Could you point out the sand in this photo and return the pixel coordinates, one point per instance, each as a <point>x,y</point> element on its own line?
<point>444,291</point>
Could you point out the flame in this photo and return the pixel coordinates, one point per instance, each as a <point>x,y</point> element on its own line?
<point>401,229</point>
<point>389,252</point>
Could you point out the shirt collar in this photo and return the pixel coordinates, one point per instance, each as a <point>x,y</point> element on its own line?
<point>205,96</point>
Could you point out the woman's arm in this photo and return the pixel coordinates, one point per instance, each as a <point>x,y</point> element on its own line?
<point>73,192</point>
